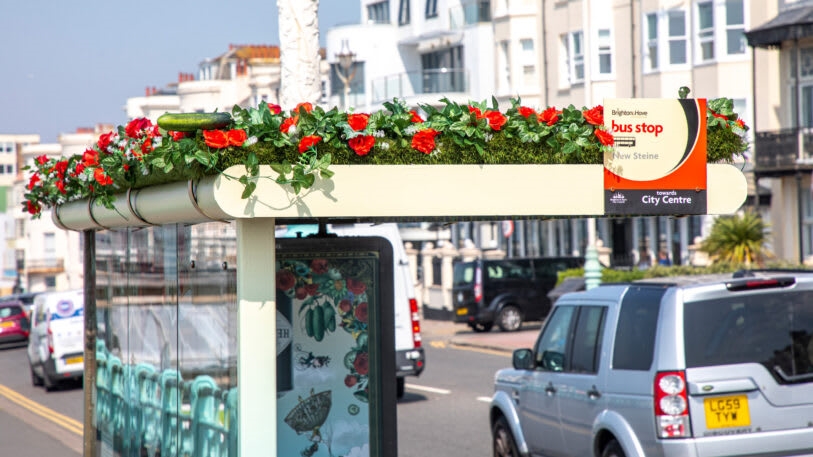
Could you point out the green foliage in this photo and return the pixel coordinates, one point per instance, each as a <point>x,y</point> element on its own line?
<point>738,239</point>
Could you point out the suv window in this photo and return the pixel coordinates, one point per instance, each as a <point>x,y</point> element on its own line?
<point>8,311</point>
<point>587,340</point>
<point>550,349</point>
<point>771,329</point>
<point>463,274</point>
<point>635,331</point>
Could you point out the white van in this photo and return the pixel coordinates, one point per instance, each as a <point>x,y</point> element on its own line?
<point>56,343</point>
<point>409,355</point>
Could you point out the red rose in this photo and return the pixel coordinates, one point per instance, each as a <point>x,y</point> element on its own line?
<point>594,115</point>
<point>549,116</point>
<point>311,289</point>
<point>146,146</point>
<point>285,280</point>
<point>361,312</point>
<point>358,121</point>
<point>42,160</point>
<point>526,112</point>
<point>35,178</point>
<point>362,363</point>
<point>104,141</point>
<point>288,123</point>
<point>215,138</point>
<point>80,167</point>
<point>415,117</point>
<point>32,208</point>
<point>101,177</point>
<point>236,137</point>
<point>90,158</point>
<point>345,306</point>
<point>424,140</point>
<point>604,137</point>
<point>308,142</point>
<point>496,119</point>
<point>178,136</point>
<point>61,167</point>
<point>134,127</point>
<point>477,113</point>
<point>740,123</point>
<point>319,266</point>
<point>60,184</point>
<point>350,380</point>
<point>275,109</point>
<point>361,144</point>
<point>357,287</point>
<point>300,293</point>
<point>306,106</point>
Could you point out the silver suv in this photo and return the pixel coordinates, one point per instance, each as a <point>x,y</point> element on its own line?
<point>696,366</point>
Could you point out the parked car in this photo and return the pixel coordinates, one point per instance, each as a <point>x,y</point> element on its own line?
<point>691,366</point>
<point>27,298</point>
<point>507,292</point>
<point>56,344</point>
<point>14,324</point>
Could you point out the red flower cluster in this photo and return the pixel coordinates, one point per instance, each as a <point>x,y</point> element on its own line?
<point>361,144</point>
<point>424,140</point>
<point>220,139</point>
<point>308,142</point>
<point>495,119</point>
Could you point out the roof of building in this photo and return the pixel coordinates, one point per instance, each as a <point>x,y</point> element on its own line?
<point>790,24</point>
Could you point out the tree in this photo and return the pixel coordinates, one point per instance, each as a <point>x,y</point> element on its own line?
<point>738,239</point>
<point>300,79</point>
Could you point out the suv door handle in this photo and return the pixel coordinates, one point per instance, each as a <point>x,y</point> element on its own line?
<point>593,393</point>
<point>549,389</point>
<point>515,396</point>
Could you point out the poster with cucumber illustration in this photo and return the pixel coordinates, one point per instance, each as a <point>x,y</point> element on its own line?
<point>336,385</point>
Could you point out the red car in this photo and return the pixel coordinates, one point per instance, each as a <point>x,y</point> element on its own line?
<point>14,323</point>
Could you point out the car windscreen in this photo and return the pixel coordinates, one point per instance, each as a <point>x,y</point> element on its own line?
<point>771,329</point>
<point>463,274</point>
<point>8,311</point>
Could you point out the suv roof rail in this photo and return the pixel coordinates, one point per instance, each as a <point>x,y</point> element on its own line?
<point>751,272</point>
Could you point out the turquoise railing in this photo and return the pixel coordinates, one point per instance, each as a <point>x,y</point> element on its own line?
<point>140,410</point>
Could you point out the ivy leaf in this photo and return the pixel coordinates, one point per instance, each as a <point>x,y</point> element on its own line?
<point>249,189</point>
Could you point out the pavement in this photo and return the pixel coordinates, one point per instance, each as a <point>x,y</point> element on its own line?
<point>460,334</point>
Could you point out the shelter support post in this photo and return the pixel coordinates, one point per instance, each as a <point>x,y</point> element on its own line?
<point>256,354</point>
<point>89,379</point>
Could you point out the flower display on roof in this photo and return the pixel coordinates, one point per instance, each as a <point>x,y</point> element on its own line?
<point>302,143</point>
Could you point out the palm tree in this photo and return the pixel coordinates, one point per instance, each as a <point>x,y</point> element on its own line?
<point>738,239</point>
<point>300,79</point>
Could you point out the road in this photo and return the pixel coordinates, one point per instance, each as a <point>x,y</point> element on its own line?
<point>444,411</point>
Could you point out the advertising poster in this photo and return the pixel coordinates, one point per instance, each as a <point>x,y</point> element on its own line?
<point>336,388</point>
<point>658,162</point>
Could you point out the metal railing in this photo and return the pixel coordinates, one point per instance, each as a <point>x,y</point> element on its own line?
<point>409,84</point>
<point>783,150</point>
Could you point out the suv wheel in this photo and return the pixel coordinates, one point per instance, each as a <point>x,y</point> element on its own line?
<point>482,327</point>
<point>509,319</point>
<point>35,380</point>
<point>612,449</point>
<point>504,445</point>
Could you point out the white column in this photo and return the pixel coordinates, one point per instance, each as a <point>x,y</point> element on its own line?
<point>299,52</point>
<point>684,240</point>
<point>652,228</point>
<point>636,241</point>
<point>256,337</point>
<point>575,237</point>
<point>550,240</point>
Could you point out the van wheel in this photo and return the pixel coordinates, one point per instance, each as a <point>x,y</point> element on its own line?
<point>35,380</point>
<point>612,449</point>
<point>399,387</point>
<point>509,319</point>
<point>50,385</point>
<point>482,327</point>
<point>504,445</point>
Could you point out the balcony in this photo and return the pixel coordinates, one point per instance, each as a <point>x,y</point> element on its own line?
<point>783,152</point>
<point>415,83</point>
<point>43,266</point>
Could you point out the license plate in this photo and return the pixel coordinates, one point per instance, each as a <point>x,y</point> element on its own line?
<point>6,324</point>
<point>72,360</point>
<point>462,311</point>
<point>725,412</point>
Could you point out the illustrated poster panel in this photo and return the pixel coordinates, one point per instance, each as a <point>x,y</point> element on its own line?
<point>658,162</point>
<point>331,297</point>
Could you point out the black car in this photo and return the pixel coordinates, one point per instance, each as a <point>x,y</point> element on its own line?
<point>507,291</point>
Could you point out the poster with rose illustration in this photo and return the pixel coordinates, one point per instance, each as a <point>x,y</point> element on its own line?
<point>335,347</point>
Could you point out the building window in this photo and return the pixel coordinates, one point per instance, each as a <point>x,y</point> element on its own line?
<point>575,57</point>
<point>735,27</point>
<point>431,8</point>
<point>677,37</point>
<point>378,13</point>
<point>528,62</point>
<point>10,169</point>
<point>652,41</point>
<point>605,52</point>
<point>403,12</point>
<point>49,245</point>
<point>50,282</point>
<point>705,31</point>
<point>504,67</point>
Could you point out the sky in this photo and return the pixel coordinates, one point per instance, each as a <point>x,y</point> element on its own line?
<point>70,64</point>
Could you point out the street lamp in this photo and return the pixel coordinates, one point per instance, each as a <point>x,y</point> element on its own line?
<point>347,60</point>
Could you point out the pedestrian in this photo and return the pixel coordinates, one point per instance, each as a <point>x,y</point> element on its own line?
<point>663,259</point>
